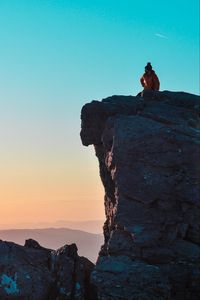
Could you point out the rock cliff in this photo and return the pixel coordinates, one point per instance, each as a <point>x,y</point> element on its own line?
<point>149,160</point>
<point>32,272</point>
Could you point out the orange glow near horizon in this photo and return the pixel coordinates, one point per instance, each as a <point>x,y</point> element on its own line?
<point>51,190</point>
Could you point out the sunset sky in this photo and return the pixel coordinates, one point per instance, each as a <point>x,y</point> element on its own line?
<point>56,55</point>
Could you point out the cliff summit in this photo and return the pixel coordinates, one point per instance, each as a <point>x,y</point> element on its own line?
<point>149,160</point>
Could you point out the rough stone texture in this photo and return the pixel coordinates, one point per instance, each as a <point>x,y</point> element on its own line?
<point>149,159</point>
<point>32,272</point>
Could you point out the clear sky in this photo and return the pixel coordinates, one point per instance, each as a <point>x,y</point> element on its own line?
<point>56,55</point>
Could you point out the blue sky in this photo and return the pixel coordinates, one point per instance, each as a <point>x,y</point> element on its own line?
<point>56,55</point>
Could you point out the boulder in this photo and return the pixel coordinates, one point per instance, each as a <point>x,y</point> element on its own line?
<point>32,272</point>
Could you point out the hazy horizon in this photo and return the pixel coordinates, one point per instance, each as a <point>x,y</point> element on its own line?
<point>90,226</point>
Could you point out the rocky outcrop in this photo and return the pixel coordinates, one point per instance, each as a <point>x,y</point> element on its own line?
<point>149,159</point>
<point>32,272</point>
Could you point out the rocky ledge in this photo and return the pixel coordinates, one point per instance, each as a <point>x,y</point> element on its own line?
<point>32,272</point>
<point>149,159</point>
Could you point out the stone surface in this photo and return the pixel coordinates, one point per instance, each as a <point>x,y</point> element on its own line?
<point>149,158</point>
<point>32,272</point>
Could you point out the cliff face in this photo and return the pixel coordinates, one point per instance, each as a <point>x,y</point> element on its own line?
<point>149,159</point>
<point>32,272</point>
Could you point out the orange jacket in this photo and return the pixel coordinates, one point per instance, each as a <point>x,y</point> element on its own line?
<point>150,82</point>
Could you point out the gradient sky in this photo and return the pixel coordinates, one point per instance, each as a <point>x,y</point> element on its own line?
<point>56,55</point>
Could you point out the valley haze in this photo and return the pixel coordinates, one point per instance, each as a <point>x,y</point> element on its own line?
<point>88,244</point>
<point>88,235</point>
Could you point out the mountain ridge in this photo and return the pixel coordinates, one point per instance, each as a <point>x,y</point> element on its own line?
<point>93,226</point>
<point>88,243</point>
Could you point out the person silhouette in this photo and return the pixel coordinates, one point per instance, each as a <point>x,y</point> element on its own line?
<point>149,79</point>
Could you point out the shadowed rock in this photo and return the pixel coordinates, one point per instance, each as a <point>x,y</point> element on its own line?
<point>32,272</point>
<point>149,158</point>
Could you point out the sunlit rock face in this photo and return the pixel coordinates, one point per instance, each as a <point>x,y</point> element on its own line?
<point>149,159</point>
<point>32,272</point>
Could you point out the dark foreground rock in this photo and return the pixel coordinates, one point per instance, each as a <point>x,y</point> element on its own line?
<point>32,272</point>
<point>149,157</point>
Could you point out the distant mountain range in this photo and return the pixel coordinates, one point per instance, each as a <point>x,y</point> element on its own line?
<point>92,226</point>
<point>88,244</point>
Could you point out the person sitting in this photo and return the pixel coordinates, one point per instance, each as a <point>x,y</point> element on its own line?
<point>149,79</point>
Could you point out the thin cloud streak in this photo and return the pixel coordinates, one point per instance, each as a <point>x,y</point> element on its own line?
<point>161,36</point>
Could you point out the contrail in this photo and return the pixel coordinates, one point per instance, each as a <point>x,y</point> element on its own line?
<point>161,36</point>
